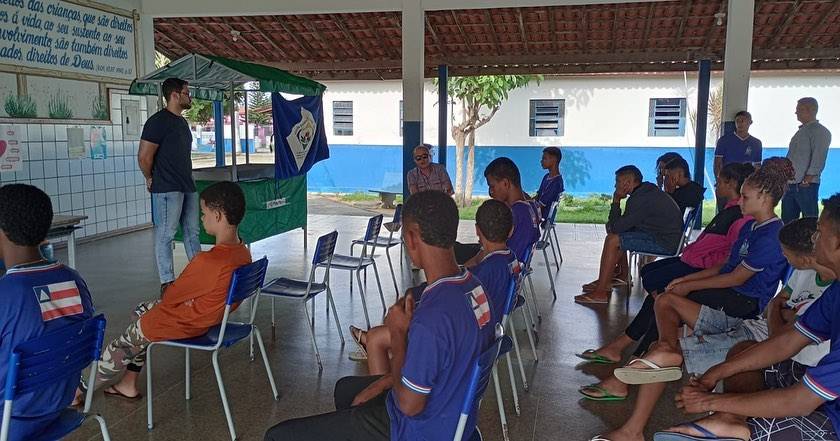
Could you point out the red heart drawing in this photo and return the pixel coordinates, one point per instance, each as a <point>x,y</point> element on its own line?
<point>2,147</point>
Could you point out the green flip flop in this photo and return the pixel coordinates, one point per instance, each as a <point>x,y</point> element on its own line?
<point>605,394</point>
<point>594,357</point>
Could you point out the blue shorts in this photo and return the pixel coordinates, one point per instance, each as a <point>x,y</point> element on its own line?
<point>715,333</point>
<point>642,242</point>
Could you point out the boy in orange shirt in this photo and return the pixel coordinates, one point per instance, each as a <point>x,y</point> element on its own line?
<point>191,304</point>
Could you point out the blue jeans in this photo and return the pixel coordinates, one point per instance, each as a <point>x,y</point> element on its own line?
<point>800,201</point>
<point>169,211</point>
<point>642,242</point>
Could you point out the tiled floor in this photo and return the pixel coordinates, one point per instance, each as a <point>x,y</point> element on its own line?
<point>121,272</point>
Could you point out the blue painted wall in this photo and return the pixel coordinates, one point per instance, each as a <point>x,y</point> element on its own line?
<point>359,168</point>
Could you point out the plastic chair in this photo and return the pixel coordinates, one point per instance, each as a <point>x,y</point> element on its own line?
<point>42,361</point>
<point>547,242</point>
<point>359,263</point>
<point>305,290</point>
<point>505,350</point>
<point>386,242</point>
<point>244,284</point>
<point>479,378</point>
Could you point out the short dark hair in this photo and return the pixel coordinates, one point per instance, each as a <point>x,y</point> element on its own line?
<point>744,113</point>
<point>831,211</point>
<point>667,157</point>
<point>736,171</point>
<point>495,220</point>
<point>504,168</point>
<point>226,197</point>
<point>437,216</point>
<point>679,163</point>
<point>798,234</point>
<point>630,170</point>
<point>26,214</point>
<point>554,151</point>
<point>172,85</point>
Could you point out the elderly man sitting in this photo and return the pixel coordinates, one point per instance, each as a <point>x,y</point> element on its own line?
<point>427,175</point>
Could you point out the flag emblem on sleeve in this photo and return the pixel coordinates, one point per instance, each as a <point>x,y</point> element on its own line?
<point>480,306</point>
<point>59,300</point>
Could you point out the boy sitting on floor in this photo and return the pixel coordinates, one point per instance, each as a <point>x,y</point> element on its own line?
<point>496,266</point>
<point>505,185</point>
<point>433,345</point>
<point>551,186</point>
<point>38,296</point>
<point>193,303</point>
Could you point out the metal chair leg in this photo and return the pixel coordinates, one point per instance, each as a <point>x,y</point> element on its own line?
<point>265,361</point>
<point>312,336</point>
<point>501,403</point>
<point>223,395</point>
<point>513,384</point>
<point>362,294</point>
<point>530,331</point>
<point>550,276</point>
<point>393,275</point>
<point>273,326</point>
<point>106,436</point>
<point>187,371</point>
<point>518,354</point>
<point>335,315</point>
<point>148,364</point>
<point>352,247</point>
<point>379,285</point>
<point>534,300</point>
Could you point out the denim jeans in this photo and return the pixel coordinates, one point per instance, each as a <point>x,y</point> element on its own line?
<point>800,200</point>
<point>169,211</point>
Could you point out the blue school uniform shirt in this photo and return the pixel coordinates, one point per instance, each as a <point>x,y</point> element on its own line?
<point>526,227</point>
<point>758,249</point>
<point>819,323</point>
<point>736,150</point>
<point>450,328</point>
<point>549,192</point>
<point>34,300</point>
<point>495,272</point>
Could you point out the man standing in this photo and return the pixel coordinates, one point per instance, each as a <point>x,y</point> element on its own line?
<point>808,151</point>
<point>164,158</point>
<point>427,175</point>
<point>737,147</point>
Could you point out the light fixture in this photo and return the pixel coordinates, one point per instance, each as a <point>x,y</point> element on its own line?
<point>235,34</point>
<point>719,18</point>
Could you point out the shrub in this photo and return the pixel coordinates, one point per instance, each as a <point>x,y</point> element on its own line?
<point>59,107</point>
<point>21,106</point>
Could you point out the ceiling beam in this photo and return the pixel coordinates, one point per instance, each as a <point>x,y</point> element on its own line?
<point>522,29</point>
<point>648,25</point>
<point>187,36</point>
<point>681,29</point>
<point>489,18</point>
<point>461,31</point>
<point>833,11</point>
<point>380,39</point>
<point>307,24</point>
<point>310,54</point>
<point>435,37</point>
<point>613,35</point>
<point>352,39</point>
<point>242,37</point>
<point>552,27</point>
<point>780,31</point>
<point>275,44</point>
<point>174,42</point>
<point>584,19</point>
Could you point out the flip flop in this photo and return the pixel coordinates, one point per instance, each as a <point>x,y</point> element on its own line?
<point>356,333</point>
<point>116,393</point>
<point>605,394</point>
<point>585,299</point>
<point>707,435</point>
<point>591,356</point>
<point>599,438</point>
<point>655,373</point>
<point>358,356</point>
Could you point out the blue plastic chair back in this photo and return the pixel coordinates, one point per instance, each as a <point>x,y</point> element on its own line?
<point>325,248</point>
<point>53,357</point>
<point>552,213</point>
<point>510,300</point>
<point>246,281</point>
<point>373,227</point>
<point>479,378</point>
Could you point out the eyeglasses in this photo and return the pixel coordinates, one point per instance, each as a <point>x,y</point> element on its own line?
<point>421,157</point>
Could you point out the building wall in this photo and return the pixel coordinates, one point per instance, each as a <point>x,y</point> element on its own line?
<point>600,111</point>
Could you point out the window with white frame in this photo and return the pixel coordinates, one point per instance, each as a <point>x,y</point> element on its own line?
<point>343,118</point>
<point>547,118</point>
<point>666,117</point>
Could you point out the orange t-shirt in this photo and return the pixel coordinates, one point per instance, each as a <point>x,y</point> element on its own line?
<point>196,300</point>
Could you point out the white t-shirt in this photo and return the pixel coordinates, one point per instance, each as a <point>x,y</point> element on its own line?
<point>804,287</point>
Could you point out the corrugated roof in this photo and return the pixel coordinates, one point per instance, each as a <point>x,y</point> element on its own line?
<point>625,37</point>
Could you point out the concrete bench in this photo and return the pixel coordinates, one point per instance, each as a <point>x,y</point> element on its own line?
<point>387,197</point>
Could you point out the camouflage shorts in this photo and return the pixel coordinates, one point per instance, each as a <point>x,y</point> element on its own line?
<point>127,349</point>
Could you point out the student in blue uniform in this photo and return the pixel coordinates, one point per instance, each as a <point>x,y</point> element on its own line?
<point>782,406</point>
<point>38,296</point>
<point>551,186</point>
<point>433,346</point>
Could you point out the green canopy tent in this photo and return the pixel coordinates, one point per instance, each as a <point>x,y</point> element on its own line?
<point>210,77</point>
<point>273,206</point>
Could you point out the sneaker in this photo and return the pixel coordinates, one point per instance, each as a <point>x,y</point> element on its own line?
<point>358,356</point>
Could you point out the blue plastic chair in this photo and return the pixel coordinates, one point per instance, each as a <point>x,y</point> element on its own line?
<point>508,307</point>
<point>546,242</point>
<point>357,264</point>
<point>244,284</point>
<point>41,362</point>
<point>528,315</point>
<point>386,242</point>
<point>305,290</point>
<point>479,378</point>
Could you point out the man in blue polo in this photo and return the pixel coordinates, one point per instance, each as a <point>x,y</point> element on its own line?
<point>433,347</point>
<point>737,147</point>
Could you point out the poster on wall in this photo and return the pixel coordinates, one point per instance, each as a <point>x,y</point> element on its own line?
<point>76,142</point>
<point>10,149</point>
<point>60,35</point>
<point>98,143</point>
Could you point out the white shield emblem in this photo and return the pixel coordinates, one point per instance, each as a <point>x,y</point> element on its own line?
<point>301,137</point>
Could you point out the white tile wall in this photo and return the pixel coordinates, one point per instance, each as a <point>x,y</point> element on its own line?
<point>110,192</point>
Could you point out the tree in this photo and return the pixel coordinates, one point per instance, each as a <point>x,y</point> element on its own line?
<point>475,94</point>
<point>257,101</point>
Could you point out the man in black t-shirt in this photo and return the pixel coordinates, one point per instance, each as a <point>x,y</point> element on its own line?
<point>685,192</point>
<point>165,159</point>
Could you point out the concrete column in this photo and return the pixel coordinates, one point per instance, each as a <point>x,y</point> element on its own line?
<point>737,60</point>
<point>413,64</point>
<point>443,108</point>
